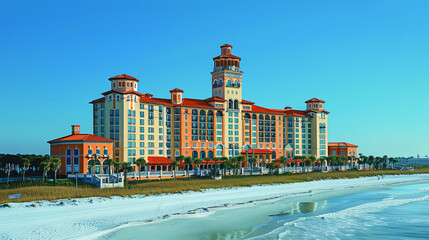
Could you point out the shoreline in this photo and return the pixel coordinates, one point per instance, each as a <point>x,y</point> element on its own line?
<point>90,217</point>
<point>153,187</point>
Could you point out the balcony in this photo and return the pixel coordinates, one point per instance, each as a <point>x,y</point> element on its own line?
<point>228,68</point>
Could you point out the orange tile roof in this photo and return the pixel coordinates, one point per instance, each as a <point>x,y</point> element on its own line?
<point>246,102</point>
<point>215,99</point>
<point>176,90</point>
<point>123,92</point>
<point>124,76</point>
<point>297,113</point>
<point>155,160</point>
<point>258,109</point>
<point>227,56</point>
<point>98,100</point>
<point>226,45</point>
<point>341,144</point>
<point>81,138</point>
<point>314,100</point>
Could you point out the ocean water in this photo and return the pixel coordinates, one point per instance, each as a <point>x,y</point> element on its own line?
<point>383,212</point>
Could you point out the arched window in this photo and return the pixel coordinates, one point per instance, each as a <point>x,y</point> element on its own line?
<point>229,83</point>
<point>273,118</point>
<point>177,153</point>
<point>230,104</point>
<point>235,104</point>
<point>210,154</point>
<point>261,117</point>
<point>254,116</point>
<point>209,113</point>
<point>219,114</point>
<point>288,155</point>
<point>236,83</point>
<point>215,83</point>
<point>202,155</point>
<point>202,112</point>
<point>194,112</point>
<point>246,115</point>
<point>220,84</point>
<point>194,154</point>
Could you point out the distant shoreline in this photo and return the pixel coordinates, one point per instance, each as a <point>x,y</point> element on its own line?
<point>39,193</point>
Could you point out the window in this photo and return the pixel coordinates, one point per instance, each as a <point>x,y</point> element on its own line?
<point>68,152</point>
<point>76,151</point>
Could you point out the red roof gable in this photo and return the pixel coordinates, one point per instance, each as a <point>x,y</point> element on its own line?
<point>247,102</point>
<point>122,92</point>
<point>259,109</point>
<point>155,160</point>
<point>215,99</point>
<point>297,113</point>
<point>226,45</point>
<point>176,90</point>
<point>124,76</point>
<point>227,56</point>
<point>314,100</point>
<point>81,138</point>
<point>98,100</point>
<point>341,144</point>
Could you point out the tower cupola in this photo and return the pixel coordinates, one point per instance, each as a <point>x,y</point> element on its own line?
<point>226,76</point>
<point>314,104</point>
<point>124,83</point>
<point>176,96</point>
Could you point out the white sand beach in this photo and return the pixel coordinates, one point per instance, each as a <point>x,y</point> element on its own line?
<point>90,218</point>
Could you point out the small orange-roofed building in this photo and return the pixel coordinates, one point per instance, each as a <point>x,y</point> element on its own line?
<point>77,149</point>
<point>343,149</point>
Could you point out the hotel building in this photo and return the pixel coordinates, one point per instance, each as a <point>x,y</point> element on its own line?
<point>223,125</point>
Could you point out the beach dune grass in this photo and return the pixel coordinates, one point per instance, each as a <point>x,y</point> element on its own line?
<point>67,189</point>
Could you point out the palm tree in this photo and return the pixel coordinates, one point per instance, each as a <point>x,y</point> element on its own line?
<point>45,166</point>
<point>393,161</point>
<point>371,161</point>
<point>26,162</point>
<point>117,166</point>
<point>342,160</point>
<point>251,160</point>
<point>198,161</point>
<point>312,159</point>
<point>188,161</point>
<point>385,158</point>
<point>283,160</point>
<point>272,166</point>
<point>55,165</point>
<point>126,167</point>
<point>92,163</point>
<point>364,160</point>
<point>140,162</point>
<point>180,158</point>
<point>109,162</point>
<point>174,165</point>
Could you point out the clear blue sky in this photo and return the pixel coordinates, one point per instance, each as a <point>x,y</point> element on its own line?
<point>367,59</point>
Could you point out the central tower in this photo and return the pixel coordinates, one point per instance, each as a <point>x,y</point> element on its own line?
<point>226,77</point>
